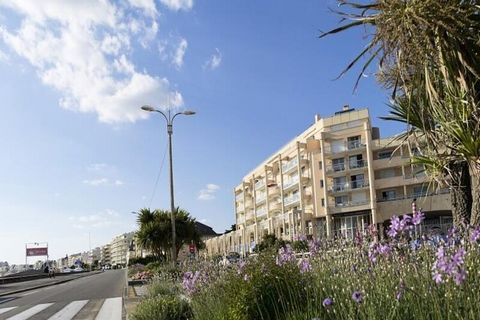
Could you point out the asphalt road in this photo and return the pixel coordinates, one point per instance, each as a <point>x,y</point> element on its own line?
<point>98,296</point>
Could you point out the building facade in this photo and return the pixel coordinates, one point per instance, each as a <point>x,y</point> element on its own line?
<point>332,180</point>
<point>119,248</point>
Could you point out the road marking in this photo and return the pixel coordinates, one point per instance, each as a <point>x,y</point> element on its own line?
<point>69,311</point>
<point>6,309</point>
<point>111,309</point>
<point>6,300</point>
<point>29,293</point>
<point>30,312</point>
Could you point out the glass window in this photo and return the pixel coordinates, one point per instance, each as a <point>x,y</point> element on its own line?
<point>320,165</point>
<point>321,183</point>
<point>389,195</point>
<point>338,164</point>
<point>323,202</point>
<point>385,154</point>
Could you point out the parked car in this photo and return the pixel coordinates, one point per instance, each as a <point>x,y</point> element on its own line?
<point>67,270</point>
<point>78,269</point>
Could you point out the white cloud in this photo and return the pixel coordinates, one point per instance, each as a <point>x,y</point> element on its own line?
<point>103,182</point>
<point>148,6</point>
<point>4,57</point>
<point>180,53</point>
<point>96,182</point>
<point>82,49</point>
<point>97,167</point>
<point>214,61</point>
<point>178,4</point>
<point>102,219</point>
<point>208,193</point>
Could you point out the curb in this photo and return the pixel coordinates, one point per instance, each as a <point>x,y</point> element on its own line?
<point>44,285</point>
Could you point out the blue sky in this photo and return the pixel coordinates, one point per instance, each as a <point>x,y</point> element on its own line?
<point>79,155</point>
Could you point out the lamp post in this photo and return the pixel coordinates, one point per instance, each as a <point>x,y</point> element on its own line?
<point>169,119</point>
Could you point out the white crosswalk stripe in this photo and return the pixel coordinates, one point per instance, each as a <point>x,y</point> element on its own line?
<point>69,311</point>
<point>111,309</point>
<point>6,309</point>
<point>30,312</point>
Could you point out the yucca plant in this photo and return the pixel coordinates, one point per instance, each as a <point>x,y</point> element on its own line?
<point>428,55</point>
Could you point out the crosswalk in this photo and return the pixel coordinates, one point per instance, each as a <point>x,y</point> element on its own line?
<point>107,309</point>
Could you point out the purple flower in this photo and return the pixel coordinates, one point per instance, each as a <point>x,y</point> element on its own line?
<point>457,259</point>
<point>285,255</point>
<point>327,302</point>
<point>400,291</point>
<point>357,296</point>
<point>304,266</point>
<point>314,246</point>
<point>475,236</point>
<point>447,266</point>
<point>460,276</point>
<point>189,281</point>
<point>417,218</point>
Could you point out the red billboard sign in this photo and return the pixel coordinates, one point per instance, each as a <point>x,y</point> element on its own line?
<point>31,252</point>
<point>192,248</point>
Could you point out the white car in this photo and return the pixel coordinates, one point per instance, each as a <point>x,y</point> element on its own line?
<point>78,269</point>
<point>67,270</point>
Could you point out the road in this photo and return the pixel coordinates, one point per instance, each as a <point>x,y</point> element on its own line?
<point>98,297</point>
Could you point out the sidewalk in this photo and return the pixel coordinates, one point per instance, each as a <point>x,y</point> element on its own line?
<point>17,287</point>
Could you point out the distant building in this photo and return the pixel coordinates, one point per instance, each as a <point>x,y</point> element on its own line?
<point>105,256</point>
<point>206,232</point>
<point>119,248</point>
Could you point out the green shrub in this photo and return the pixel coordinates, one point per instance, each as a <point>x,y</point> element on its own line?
<point>144,260</point>
<point>160,287</point>
<point>167,307</point>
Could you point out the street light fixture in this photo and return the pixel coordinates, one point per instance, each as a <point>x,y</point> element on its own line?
<point>169,119</point>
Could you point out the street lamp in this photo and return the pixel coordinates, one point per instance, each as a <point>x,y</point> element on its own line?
<point>169,118</point>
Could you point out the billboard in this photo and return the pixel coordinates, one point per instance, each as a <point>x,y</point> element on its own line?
<point>31,252</point>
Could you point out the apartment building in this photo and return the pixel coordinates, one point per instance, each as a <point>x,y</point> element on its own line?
<point>119,248</point>
<point>331,181</point>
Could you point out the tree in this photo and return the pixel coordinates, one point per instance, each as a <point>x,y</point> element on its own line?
<point>155,231</point>
<point>428,54</point>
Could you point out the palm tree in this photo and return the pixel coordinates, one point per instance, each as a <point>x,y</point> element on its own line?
<point>428,55</point>
<point>155,231</point>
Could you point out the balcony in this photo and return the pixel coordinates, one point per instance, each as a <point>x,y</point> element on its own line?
<point>273,191</point>
<point>241,219</point>
<point>359,164</point>
<point>338,167</point>
<point>260,198</point>
<point>294,198</point>
<point>239,197</point>
<point>349,205</point>
<point>276,206</point>
<point>240,208</point>
<point>359,184</point>
<point>261,212</point>
<point>259,184</point>
<point>344,148</point>
<point>395,161</point>
<point>290,182</point>
<point>248,204</point>
<point>343,187</point>
<point>354,145</point>
<point>290,165</point>
<point>249,215</point>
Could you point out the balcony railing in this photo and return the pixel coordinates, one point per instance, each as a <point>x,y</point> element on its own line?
<point>260,197</point>
<point>291,199</point>
<point>259,184</point>
<point>261,212</point>
<point>241,219</point>
<point>415,195</point>
<point>357,164</point>
<point>240,208</point>
<point>357,184</point>
<point>339,187</point>
<point>357,144</point>
<point>239,197</point>
<point>351,204</point>
<point>290,165</point>
<point>294,180</point>
<point>249,215</point>
<point>338,167</point>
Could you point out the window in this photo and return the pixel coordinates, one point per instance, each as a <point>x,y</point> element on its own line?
<point>319,165</point>
<point>358,181</point>
<point>385,154</point>
<point>321,183</point>
<point>387,173</point>
<point>341,201</point>
<point>389,195</point>
<point>323,202</point>
<point>354,142</point>
<point>339,183</point>
<point>419,191</point>
<point>338,164</point>
<point>355,161</point>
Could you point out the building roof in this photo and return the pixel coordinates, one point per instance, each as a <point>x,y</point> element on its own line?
<point>204,230</point>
